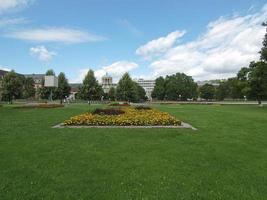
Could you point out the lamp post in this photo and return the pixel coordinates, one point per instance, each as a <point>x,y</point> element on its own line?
<point>180,97</point>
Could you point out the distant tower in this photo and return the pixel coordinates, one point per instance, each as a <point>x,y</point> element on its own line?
<point>106,80</point>
<point>107,83</point>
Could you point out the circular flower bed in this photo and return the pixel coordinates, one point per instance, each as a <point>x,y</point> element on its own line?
<point>130,117</point>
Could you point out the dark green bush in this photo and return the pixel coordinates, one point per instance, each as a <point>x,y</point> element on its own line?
<point>108,111</point>
<point>142,108</point>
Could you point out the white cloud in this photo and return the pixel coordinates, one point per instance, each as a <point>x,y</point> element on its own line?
<point>228,44</point>
<point>5,68</point>
<point>12,21</point>
<point>116,70</point>
<point>10,5</point>
<point>42,53</point>
<point>64,35</point>
<point>160,45</point>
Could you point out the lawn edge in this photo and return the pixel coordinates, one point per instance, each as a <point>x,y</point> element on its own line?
<point>183,126</point>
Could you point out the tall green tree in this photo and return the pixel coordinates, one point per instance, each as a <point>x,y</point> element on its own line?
<point>12,85</point>
<point>126,90</point>
<point>207,91</point>
<point>140,93</point>
<point>222,91</point>
<point>235,89</point>
<point>159,89</point>
<point>63,89</point>
<point>257,79</point>
<point>111,94</point>
<point>180,87</point>
<point>263,51</point>
<point>90,89</point>
<point>28,88</point>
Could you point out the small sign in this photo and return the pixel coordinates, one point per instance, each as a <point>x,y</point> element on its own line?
<point>51,81</point>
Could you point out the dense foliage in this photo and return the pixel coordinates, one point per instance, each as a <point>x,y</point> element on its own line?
<point>175,87</point>
<point>15,86</point>
<point>28,88</point>
<point>111,94</point>
<point>63,89</point>
<point>12,86</point>
<point>90,89</point>
<point>207,91</point>
<point>128,90</point>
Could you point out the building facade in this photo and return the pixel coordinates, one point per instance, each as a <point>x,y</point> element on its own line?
<point>148,86</point>
<point>107,83</point>
<point>37,78</point>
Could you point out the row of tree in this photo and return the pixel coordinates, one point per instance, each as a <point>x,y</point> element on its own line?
<point>16,86</point>
<point>175,87</point>
<point>250,83</point>
<point>126,90</point>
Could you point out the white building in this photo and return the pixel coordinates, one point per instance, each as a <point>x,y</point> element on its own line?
<point>148,86</point>
<point>107,83</point>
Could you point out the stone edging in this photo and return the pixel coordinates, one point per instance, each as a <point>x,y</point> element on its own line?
<point>183,126</point>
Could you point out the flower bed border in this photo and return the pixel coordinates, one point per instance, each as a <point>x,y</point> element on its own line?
<point>182,126</point>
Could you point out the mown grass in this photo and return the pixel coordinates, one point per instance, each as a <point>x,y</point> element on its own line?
<point>224,159</point>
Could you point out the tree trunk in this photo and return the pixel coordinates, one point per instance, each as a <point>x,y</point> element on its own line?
<point>61,101</point>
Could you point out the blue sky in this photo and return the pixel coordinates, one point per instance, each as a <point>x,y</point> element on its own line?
<point>205,39</point>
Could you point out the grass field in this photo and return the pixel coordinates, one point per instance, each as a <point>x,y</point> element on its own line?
<point>225,159</point>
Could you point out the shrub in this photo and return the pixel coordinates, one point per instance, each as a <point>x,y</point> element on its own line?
<point>109,111</point>
<point>131,117</point>
<point>143,108</point>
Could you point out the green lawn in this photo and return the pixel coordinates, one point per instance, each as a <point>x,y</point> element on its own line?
<point>225,159</point>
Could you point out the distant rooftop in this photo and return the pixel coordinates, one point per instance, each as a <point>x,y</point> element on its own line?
<point>3,72</point>
<point>34,75</point>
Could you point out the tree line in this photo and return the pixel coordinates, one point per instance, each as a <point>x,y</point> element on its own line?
<point>16,86</point>
<point>126,90</point>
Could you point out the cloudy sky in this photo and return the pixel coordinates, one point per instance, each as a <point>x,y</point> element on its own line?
<point>206,39</point>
